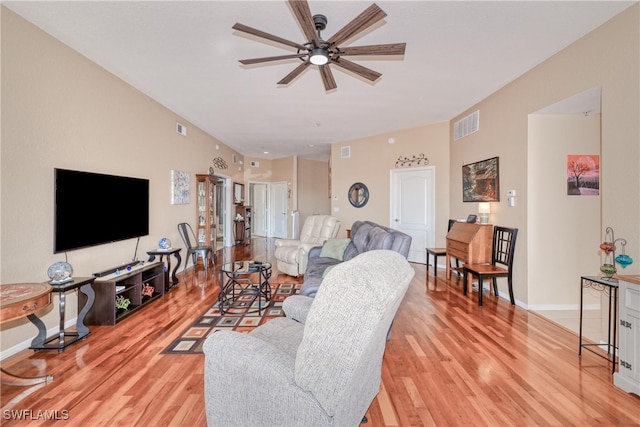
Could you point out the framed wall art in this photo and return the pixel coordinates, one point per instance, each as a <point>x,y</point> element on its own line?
<point>481,181</point>
<point>583,175</point>
<point>179,187</point>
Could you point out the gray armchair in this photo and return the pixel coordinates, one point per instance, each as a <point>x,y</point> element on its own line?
<point>323,372</point>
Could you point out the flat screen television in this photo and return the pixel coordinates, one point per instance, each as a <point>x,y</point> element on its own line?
<point>93,209</point>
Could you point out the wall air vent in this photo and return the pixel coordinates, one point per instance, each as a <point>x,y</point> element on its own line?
<point>345,152</point>
<point>181,129</point>
<point>466,126</point>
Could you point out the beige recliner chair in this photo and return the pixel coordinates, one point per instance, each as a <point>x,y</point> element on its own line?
<point>291,255</point>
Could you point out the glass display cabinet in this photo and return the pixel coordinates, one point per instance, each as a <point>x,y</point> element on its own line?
<point>206,210</point>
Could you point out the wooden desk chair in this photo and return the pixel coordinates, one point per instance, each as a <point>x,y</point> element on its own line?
<point>503,248</point>
<point>436,252</point>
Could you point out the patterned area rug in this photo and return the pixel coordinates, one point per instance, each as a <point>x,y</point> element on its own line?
<point>242,317</point>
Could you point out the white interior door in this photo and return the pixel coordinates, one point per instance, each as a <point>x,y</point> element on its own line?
<point>260,209</point>
<point>278,207</point>
<point>413,208</point>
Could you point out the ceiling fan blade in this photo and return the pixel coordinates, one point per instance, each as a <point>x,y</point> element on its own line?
<point>370,16</point>
<point>302,13</point>
<point>271,58</point>
<point>262,34</point>
<point>365,72</point>
<point>295,73</point>
<point>378,49</point>
<point>327,77</point>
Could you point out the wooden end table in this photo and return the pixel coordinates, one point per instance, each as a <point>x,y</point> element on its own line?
<point>23,300</point>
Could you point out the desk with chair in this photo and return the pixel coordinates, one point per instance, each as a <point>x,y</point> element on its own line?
<point>468,242</point>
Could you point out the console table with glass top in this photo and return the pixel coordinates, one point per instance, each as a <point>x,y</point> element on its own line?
<point>237,290</point>
<point>609,286</point>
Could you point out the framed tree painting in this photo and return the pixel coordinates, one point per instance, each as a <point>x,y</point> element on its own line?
<point>583,175</point>
<point>481,181</point>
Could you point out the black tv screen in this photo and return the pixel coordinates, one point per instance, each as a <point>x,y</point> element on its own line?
<point>92,209</point>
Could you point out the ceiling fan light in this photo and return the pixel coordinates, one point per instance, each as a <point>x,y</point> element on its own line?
<point>318,56</point>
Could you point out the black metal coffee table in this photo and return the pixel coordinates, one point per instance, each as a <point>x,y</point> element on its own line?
<point>242,284</point>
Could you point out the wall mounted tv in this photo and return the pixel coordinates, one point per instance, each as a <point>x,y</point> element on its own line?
<point>92,209</point>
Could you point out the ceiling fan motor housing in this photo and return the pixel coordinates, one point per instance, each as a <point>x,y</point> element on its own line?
<point>320,22</point>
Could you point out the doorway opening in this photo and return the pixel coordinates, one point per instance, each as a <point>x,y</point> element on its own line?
<point>573,222</point>
<point>270,208</point>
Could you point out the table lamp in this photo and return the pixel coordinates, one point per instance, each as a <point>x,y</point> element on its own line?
<point>484,209</point>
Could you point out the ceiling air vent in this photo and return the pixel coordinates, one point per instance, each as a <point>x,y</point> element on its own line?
<point>345,152</point>
<point>466,126</point>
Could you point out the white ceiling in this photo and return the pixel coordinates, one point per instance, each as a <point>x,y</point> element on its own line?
<point>185,55</point>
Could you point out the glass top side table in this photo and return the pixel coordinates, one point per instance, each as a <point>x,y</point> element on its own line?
<point>609,286</point>
<point>244,287</point>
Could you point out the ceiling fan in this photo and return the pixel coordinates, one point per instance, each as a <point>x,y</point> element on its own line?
<point>324,53</point>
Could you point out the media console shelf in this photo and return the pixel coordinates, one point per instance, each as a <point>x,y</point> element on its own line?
<point>128,284</point>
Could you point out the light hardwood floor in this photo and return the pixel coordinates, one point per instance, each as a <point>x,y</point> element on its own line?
<point>448,363</point>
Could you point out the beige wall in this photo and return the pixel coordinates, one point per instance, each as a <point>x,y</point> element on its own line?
<point>608,57</point>
<point>564,230</point>
<point>371,161</point>
<point>61,110</point>
<point>313,188</point>
<point>261,173</point>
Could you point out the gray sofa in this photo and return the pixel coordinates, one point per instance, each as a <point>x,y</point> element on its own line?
<point>323,372</point>
<point>365,236</point>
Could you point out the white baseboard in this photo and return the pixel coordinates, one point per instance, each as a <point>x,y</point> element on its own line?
<point>27,343</point>
<point>563,307</point>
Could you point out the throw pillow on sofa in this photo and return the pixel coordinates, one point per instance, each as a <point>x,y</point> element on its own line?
<point>334,248</point>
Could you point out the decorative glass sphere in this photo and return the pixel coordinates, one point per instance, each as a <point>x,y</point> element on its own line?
<point>624,260</point>
<point>164,243</point>
<point>60,272</point>
<point>608,269</point>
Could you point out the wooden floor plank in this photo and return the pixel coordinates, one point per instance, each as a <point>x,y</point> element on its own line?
<point>448,363</point>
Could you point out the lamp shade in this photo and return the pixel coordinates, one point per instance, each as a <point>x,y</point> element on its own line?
<point>484,208</point>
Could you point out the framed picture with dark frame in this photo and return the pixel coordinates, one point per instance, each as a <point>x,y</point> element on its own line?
<point>481,181</point>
